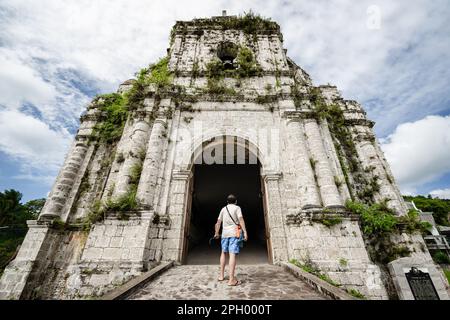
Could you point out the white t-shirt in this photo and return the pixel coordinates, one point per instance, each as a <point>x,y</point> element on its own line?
<point>228,226</point>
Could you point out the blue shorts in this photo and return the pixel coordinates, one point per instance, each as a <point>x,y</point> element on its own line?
<point>230,245</point>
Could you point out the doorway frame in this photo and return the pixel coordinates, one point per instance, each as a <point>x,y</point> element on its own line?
<point>187,214</point>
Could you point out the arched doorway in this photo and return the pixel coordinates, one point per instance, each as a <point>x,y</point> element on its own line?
<point>235,169</point>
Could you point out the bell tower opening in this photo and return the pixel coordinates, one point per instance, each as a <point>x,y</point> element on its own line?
<point>211,185</point>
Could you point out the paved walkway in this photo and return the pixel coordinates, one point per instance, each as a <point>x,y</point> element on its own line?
<point>199,282</point>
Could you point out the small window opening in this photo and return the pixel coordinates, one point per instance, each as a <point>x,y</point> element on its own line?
<point>227,53</point>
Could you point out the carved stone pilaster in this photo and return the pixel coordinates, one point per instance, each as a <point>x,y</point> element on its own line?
<point>149,175</point>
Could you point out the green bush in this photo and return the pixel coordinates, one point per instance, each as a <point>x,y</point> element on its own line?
<point>250,23</point>
<point>127,202</point>
<point>247,64</point>
<point>114,107</point>
<point>159,73</point>
<point>441,257</point>
<point>375,220</point>
<point>379,219</point>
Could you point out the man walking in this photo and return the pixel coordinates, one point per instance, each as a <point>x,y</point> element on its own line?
<point>232,222</point>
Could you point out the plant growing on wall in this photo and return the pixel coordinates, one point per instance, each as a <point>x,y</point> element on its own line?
<point>115,112</point>
<point>379,224</point>
<point>250,23</point>
<point>310,267</point>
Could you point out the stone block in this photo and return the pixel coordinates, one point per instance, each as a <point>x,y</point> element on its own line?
<point>112,254</point>
<point>136,254</point>
<point>102,242</point>
<point>92,254</point>
<point>116,242</point>
<point>98,280</point>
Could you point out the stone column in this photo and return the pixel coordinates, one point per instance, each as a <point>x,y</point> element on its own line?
<point>133,150</point>
<point>306,185</point>
<point>328,190</point>
<point>275,217</point>
<point>175,237</point>
<point>149,176</point>
<point>369,158</point>
<point>65,180</point>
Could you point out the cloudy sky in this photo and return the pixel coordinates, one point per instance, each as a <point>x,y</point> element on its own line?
<point>393,57</point>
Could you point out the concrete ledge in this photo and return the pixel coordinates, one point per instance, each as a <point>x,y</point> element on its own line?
<point>316,283</point>
<point>128,288</point>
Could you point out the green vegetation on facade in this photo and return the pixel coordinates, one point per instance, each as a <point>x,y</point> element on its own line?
<point>114,108</point>
<point>377,219</point>
<point>247,67</point>
<point>250,23</point>
<point>355,293</point>
<point>310,267</point>
<point>379,224</point>
<point>329,221</point>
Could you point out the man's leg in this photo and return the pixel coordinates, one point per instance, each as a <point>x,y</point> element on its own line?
<point>223,261</point>
<point>232,265</point>
<point>233,252</point>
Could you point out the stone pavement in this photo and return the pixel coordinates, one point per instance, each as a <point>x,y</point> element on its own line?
<point>199,282</point>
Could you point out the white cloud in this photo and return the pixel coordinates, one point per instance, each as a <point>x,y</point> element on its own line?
<point>20,83</point>
<point>419,152</point>
<point>441,193</point>
<point>32,142</point>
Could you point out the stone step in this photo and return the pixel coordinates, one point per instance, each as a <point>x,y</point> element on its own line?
<point>199,282</point>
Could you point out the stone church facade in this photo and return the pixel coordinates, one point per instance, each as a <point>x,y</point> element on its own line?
<point>226,91</point>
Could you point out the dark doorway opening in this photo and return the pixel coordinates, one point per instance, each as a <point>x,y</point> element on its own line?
<point>212,184</point>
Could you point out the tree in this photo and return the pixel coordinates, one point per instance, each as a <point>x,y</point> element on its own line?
<point>13,212</point>
<point>13,215</point>
<point>34,207</point>
<point>439,207</point>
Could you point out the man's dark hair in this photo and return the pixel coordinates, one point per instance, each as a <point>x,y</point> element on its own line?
<point>231,199</point>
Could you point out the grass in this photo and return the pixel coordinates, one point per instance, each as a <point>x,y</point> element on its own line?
<point>355,293</point>
<point>330,222</point>
<point>447,274</point>
<point>311,268</point>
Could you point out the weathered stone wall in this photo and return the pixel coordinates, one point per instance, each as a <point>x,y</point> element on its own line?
<point>338,251</point>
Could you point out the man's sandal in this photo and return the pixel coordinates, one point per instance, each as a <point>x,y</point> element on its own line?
<point>235,284</point>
